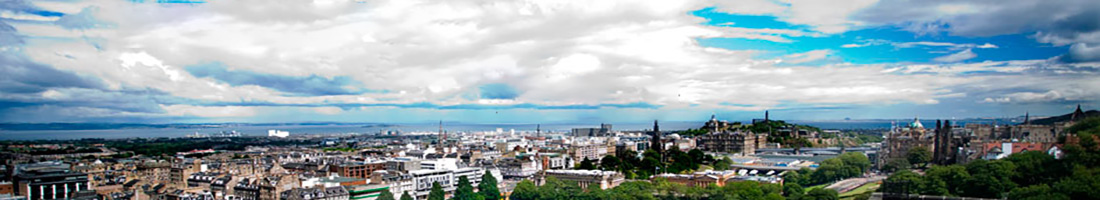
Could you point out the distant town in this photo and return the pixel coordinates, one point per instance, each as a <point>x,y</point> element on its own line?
<point>765,159</point>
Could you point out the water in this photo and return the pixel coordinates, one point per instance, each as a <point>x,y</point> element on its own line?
<point>249,130</point>
<point>255,130</point>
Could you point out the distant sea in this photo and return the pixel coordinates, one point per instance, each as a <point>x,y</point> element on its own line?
<point>261,130</point>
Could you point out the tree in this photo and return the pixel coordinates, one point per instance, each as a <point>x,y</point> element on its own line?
<point>525,190</point>
<point>465,190</point>
<point>989,179</point>
<point>587,164</point>
<point>386,195</point>
<point>723,164</point>
<point>406,196</point>
<point>952,178</point>
<point>488,187</point>
<point>797,177</point>
<point>902,182</point>
<point>896,164</point>
<point>793,191</point>
<point>919,156</point>
<point>821,194</point>
<point>856,159</point>
<point>1036,192</point>
<point>610,162</point>
<point>437,192</point>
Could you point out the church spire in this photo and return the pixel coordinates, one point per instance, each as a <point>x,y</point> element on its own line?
<point>1077,114</point>
<point>1027,118</point>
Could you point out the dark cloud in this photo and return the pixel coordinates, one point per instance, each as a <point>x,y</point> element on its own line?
<point>311,85</point>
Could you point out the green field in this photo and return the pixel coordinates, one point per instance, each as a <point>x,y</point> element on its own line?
<point>860,190</point>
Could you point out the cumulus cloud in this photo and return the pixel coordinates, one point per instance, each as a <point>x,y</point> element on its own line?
<point>217,60</point>
<point>1056,22</point>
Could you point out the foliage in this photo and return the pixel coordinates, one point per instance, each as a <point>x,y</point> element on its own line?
<point>465,190</point>
<point>1025,175</point>
<point>820,194</point>
<point>437,192</point>
<point>488,187</point>
<point>645,190</point>
<point>919,156</point>
<point>525,190</point>
<point>723,164</point>
<point>406,196</point>
<point>587,164</point>
<point>847,165</point>
<point>386,195</point>
<point>793,191</point>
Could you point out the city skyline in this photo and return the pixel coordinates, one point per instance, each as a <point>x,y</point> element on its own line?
<point>543,61</point>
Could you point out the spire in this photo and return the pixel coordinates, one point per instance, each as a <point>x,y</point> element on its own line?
<point>1027,118</point>
<point>655,127</point>
<point>538,130</point>
<point>1077,114</point>
<point>712,118</point>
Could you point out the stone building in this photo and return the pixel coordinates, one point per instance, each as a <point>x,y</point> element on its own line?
<point>731,142</point>
<point>586,178</point>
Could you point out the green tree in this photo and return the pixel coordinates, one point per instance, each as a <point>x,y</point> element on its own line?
<point>525,190</point>
<point>1034,167</point>
<point>856,159</point>
<point>902,182</point>
<point>724,164</point>
<point>989,179</point>
<point>797,177</point>
<point>406,196</point>
<point>610,162</point>
<point>437,192</point>
<point>821,194</point>
<point>793,190</point>
<point>952,178</point>
<point>488,186</point>
<point>1036,192</point>
<point>386,195</point>
<point>919,156</point>
<point>465,190</point>
<point>587,164</point>
<point>896,164</point>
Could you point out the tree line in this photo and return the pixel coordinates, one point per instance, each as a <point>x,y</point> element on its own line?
<point>1025,175</point>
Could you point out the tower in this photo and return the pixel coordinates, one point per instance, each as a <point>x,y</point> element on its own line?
<point>1077,114</point>
<point>766,116</point>
<point>1027,118</point>
<point>656,143</point>
<point>538,130</point>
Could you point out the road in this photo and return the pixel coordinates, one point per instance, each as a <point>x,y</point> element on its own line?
<point>853,183</point>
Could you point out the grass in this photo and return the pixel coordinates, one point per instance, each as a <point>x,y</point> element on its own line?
<point>860,190</point>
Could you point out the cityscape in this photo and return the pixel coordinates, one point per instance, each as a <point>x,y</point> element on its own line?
<point>549,99</point>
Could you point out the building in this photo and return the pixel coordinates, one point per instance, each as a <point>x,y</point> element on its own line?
<point>730,142</point>
<point>656,143</point>
<point>587,178</point>
<point>424,178</point>
<point>403,164</point>
<point>700,179</point>
<point>328,193</point>
<point>278,133</point>
<point>603,131</point>
<point>48,180</point>
<point>357,169</point>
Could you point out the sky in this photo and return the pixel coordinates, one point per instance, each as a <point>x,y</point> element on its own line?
<point>543,61</point>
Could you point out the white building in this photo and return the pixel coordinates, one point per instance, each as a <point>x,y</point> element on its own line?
<point>278,133</point>
<point>424,178</point>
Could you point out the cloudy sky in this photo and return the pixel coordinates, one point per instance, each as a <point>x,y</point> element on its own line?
<point>484,61</point>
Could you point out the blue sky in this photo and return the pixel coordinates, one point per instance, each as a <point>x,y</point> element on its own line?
<point>543,61</point>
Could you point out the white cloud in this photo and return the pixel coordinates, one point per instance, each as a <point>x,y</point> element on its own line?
<point>439,52</point>
<point>957,56</point>
<point>807,56</point>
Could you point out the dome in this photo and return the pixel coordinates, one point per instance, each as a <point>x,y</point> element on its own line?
<point>916,123</point>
